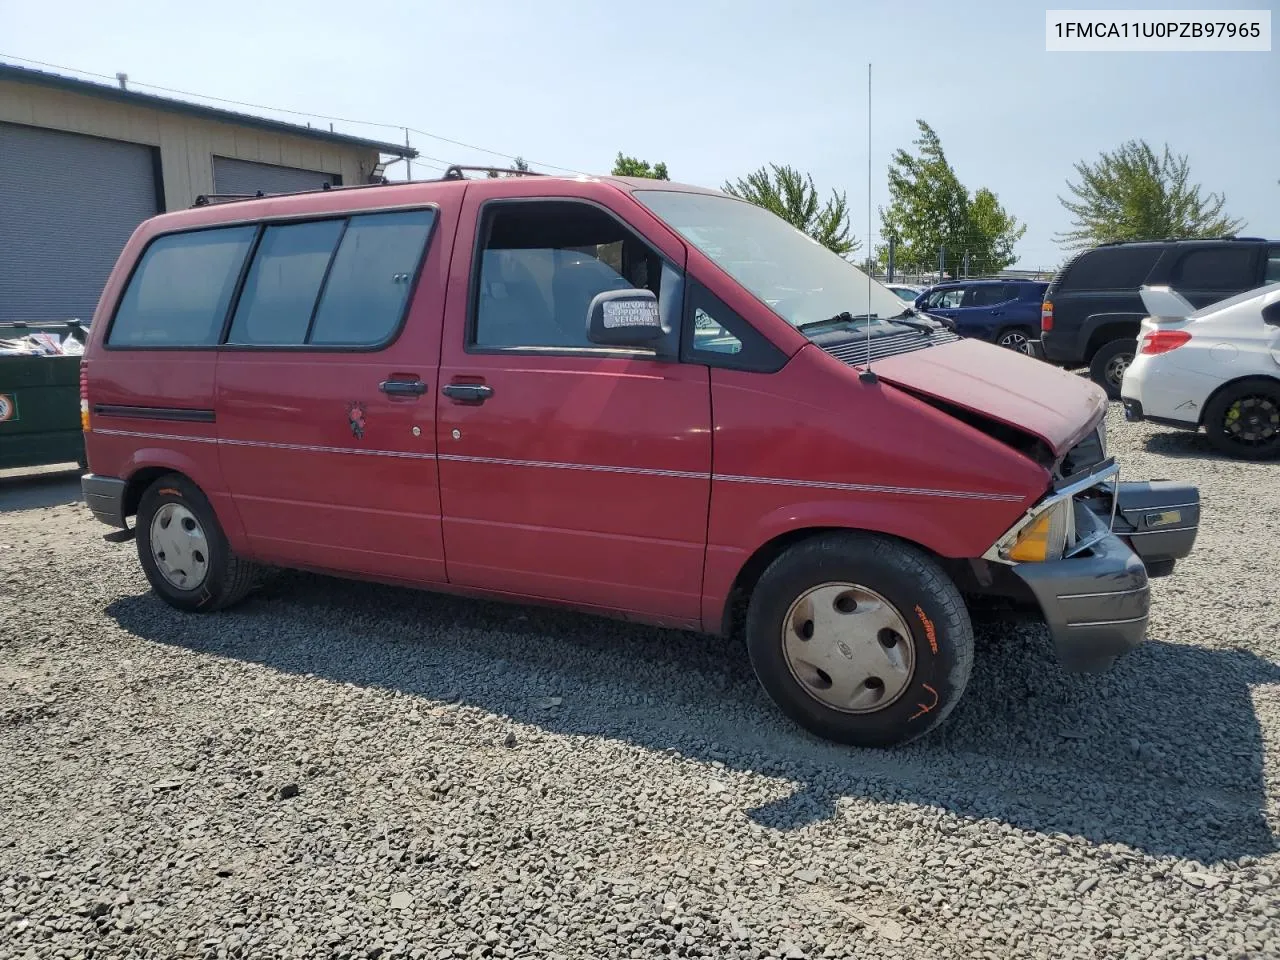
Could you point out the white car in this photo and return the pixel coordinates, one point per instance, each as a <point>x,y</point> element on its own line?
<point>1217,368</point>
<point>905,291</point>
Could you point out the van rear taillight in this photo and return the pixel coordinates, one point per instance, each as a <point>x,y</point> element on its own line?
<point>84,396</point>
<point>1162,341</point>
<point>1046,316</point>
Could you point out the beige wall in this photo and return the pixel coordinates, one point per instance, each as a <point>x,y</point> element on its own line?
<point>187,144</point>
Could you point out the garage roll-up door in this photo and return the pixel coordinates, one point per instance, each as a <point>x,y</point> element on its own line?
<point>244,176</point>
<point>68,203</point>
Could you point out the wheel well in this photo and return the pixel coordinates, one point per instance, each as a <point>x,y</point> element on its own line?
<point>1229,384</point>
<point>138,483</point>
<point>1105,334</point>
<point>735,608</point>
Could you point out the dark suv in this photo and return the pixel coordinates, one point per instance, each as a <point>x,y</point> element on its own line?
<point>1092,309</point>
<point>1004,312</point>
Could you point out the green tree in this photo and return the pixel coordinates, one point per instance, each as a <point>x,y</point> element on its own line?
<point>931,209</point>
<point>1134,194</point>
<point>519,163</point>
<point>792,196</point>
<point>625,166</point>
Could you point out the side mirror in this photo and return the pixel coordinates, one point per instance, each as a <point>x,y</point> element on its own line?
<point>624,318</point>
<point>1271,313</point>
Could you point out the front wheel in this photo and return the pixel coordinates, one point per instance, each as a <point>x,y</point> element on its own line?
<point>183,550</point>
<point>1243,420</point>
<point>860,639</point>
<point>1108,365</point>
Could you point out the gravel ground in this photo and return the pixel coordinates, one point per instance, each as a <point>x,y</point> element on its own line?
<point>345,770</point>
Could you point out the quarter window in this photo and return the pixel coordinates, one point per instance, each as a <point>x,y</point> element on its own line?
<point>181,290</point>
<point>1273,266</point>
<point>541,265</point>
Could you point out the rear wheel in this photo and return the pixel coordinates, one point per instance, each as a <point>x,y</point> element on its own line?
<point>1108,365</point>
<point>183,550</point>
<point>1243,420</point>
<point>860,639</point>
<point>1015,338</point>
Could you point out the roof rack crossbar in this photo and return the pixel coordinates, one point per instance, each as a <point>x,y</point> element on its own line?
<point>456,170</point>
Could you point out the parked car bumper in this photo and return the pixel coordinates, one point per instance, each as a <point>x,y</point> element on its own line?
<point>104,496</point>
<point>1156,390</point>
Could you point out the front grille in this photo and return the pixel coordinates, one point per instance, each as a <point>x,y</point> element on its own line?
<point>859,352</point>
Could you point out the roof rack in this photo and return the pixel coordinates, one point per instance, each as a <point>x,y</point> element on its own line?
<point>454,172</point>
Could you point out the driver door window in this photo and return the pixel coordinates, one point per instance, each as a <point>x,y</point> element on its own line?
<point>541,265</point>
<point>948,299</point>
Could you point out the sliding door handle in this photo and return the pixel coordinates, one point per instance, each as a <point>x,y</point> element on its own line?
<point>468,392</point>
<point>403,388</point>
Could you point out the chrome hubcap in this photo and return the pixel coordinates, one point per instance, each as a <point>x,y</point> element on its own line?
<point>1116,368</point>
<point>848,647</point>
<point>179,546</point>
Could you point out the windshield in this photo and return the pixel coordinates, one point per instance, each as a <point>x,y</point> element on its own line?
<point>800,279</point>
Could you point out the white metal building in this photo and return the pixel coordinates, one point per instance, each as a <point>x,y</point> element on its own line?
<point>82,164</point>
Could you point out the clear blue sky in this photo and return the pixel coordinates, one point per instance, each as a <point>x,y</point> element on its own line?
<point>714,89</point>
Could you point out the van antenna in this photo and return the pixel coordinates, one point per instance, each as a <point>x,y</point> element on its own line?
<point>868,375</point>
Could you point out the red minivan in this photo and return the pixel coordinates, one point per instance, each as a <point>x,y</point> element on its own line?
<point>627,396</point>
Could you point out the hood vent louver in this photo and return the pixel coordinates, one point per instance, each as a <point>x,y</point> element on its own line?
<point>858,351</point>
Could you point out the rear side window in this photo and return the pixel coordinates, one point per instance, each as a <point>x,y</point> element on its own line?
<point>988,295</point>
<point>1111,268</point>
<point>283,285</point>
<point>1273,266</point>
<point>368,285</point>
<point>1217,268</point>
<point>179,294</point>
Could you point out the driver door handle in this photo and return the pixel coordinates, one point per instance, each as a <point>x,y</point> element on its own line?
<point>468,392</point>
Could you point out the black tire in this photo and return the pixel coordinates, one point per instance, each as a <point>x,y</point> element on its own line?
<point>1111,359</point>
<point>1019,339</point>
<point>928,603</point>
<point>226,578</point>
<point>1256,401</point>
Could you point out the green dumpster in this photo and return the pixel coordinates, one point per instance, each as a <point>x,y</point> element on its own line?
<point>39,396</point>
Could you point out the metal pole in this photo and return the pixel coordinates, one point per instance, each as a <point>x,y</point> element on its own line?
<point>893,246</point>
<point>408,164</point>
<point>942,260</point>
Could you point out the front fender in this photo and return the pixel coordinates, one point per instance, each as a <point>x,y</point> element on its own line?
<point>900,516</point>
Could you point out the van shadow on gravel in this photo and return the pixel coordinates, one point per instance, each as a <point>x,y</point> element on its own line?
<point>1162,754</point>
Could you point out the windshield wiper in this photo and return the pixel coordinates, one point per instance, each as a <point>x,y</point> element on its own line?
<point>843,317</point>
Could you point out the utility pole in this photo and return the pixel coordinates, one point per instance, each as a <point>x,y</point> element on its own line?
<point>893,248</point>
<point>408,164</point>
<point>942,261</point>
<point>966,264</point>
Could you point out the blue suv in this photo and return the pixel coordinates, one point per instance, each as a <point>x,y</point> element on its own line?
<point>1004,312</point>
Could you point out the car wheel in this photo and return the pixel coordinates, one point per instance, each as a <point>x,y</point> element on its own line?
<point>1108,365</point>
<point>860,639</point>
<point>1015,338</point>
<point>1243,420</point>
<point>183,550</point>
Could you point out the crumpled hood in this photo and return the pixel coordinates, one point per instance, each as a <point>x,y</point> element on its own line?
<point>1009,387</point>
